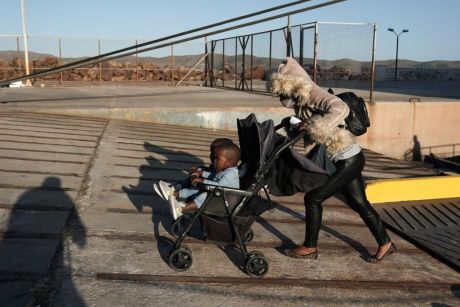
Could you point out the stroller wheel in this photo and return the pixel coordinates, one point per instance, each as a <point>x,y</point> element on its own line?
<point>181,259</point>
<point>248,236</point>
<point>256,264</point>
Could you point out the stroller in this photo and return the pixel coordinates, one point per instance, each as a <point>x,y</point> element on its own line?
<point>227,214</point>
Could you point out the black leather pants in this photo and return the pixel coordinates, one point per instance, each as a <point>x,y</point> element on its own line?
<point>349,181</point>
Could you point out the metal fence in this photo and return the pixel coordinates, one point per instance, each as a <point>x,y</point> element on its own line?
<point>338,55</point>
<point>441,151</point>
<point>168,64</point>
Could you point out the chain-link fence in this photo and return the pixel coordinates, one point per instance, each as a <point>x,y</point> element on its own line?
<point>334,54</point>
<point>169,64</point>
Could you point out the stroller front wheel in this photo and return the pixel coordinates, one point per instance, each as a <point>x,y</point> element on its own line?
<point>181,259</point>
<point>256,264</point>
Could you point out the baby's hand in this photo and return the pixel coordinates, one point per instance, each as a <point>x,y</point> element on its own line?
<point>196,174</point>
<point>197,180</point>
<point>192,169</point>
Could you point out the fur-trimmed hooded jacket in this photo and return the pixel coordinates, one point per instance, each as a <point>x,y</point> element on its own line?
<point>320,111</point>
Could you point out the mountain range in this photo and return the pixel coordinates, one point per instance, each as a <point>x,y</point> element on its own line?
<point>191,60</point>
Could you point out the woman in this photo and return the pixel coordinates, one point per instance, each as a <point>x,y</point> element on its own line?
<point>323,116</point>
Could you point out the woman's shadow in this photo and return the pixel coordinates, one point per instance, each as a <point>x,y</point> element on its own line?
<point>142,195</point>
<point>43,213</point>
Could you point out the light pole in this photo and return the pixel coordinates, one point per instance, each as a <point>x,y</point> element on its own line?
<point>397,45</point>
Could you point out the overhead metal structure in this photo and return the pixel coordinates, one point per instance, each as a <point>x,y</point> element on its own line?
<point>121,52</point>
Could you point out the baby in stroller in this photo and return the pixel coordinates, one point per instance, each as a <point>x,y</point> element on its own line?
<point>226,157</point>
<point>165,189</point>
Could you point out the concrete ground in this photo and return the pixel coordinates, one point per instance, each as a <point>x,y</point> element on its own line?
<point>82,226</point>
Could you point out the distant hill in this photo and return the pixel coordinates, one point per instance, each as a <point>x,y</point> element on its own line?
<point>190,60</point>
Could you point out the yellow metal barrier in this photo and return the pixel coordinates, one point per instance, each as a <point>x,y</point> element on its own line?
<point>406,189</point>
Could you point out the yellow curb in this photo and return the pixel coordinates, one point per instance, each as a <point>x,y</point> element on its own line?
<point>406,189</point>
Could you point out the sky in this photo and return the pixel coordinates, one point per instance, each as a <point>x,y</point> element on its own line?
<point>433,24</point>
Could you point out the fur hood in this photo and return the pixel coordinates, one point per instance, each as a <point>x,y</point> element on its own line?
<point>293,86</point>
<point>321,111</point>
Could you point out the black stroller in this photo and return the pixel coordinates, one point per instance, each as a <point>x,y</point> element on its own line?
<point>227,214</point>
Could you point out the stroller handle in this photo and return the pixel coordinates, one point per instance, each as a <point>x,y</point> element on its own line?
<point>278,127</point>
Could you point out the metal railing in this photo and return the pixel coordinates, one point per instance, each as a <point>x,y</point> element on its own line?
<point>160,43</point>
<point>441,151</point>
<point>167,64</point>
<point>334,54</point>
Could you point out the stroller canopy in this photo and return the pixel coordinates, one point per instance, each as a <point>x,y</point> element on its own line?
<point>287,171</point>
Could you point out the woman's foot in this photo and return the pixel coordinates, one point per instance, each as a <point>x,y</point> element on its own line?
<point>382,252</point>
<point>302,252</point>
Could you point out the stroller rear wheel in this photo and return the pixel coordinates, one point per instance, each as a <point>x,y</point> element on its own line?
<point>256,264</point>
<point>181,259</point>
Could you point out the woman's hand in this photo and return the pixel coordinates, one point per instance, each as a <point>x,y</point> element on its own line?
<point>301,126</point>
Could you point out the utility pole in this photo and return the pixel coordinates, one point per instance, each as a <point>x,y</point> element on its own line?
<point>24,35</point>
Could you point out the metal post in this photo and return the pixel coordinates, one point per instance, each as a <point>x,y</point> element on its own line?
<point>236,62</point>
<point>301,46</point>
<point>60,58</point>
<point>213,47</point>
<point>24,36</point>
<point>288,37</point>
<point>172,64</point>
<point>374,43</point>
<point>252,56</point>
<point>100,63</point>
<point>396,64</point>
<point>192,69</point>
<point>137,66</point>
<point>19,55</point>
<point>270,52</point>
<point>223,62</point>
<point>206,63</point>
<point>315,52</point>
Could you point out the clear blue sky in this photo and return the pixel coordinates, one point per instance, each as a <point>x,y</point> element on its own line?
<point>433,24</point>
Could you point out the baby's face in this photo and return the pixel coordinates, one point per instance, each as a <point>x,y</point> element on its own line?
<point>221,162</point>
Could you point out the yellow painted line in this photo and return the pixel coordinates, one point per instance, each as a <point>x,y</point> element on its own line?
<point>406,189</point>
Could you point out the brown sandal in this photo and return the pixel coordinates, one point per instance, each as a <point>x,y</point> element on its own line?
<point>390,251</point>
<point>291,253</point>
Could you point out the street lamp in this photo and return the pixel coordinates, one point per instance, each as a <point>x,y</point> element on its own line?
<point>397,45</point>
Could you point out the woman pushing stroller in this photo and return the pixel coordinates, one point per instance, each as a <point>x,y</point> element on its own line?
<point>322,115</point>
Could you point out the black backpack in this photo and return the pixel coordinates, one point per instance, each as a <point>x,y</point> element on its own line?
<point>358,119</point>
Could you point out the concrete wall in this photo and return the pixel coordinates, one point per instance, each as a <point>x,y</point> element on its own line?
<point>395,124</point>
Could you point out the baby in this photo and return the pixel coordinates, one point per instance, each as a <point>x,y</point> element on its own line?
<point>226,157</point>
